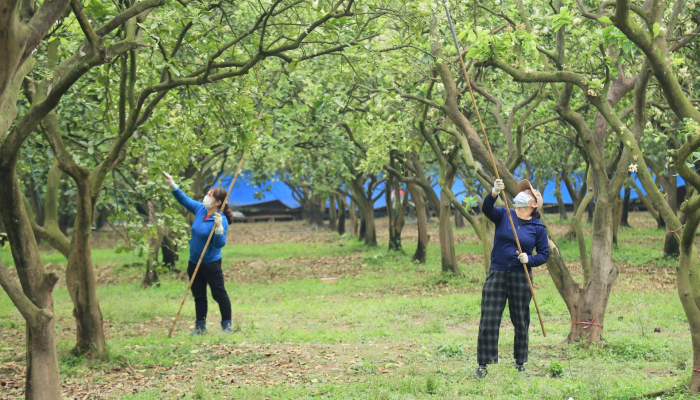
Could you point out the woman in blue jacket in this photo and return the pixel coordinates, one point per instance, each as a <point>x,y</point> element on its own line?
<point>506,279</point>
<point>206,216</point>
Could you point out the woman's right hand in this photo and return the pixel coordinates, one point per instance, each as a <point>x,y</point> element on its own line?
<point>497,187</point>
<point>168,179</point>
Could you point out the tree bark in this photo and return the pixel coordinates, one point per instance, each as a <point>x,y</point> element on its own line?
<point>617,215</point>
<point>332,214</point>
<point>321,212</point>
<point>352,210</point>
<point>422,224</point>
<point>671,246</point>
<point>560,201</point>
<point>624,220</point>
<point>341,213</point>
<point>34,298</point>
<point>581,239</point>
<point>488,230</point>
<point>447,242</point>
<point>459,220</point>
<point>80,279</point>
<point>169,253</point>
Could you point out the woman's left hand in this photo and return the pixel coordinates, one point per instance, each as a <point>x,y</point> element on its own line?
<point>217,223</point>
<point>523,258</point>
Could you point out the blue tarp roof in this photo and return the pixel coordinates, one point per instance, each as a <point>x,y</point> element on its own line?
<point>244,192</point>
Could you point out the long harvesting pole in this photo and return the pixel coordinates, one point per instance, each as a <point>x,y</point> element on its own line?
<point>493,161</point>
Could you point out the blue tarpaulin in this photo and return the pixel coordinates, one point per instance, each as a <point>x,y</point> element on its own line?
<point>244,192</point>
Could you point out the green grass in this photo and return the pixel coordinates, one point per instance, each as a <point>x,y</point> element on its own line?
<point>392,312</point>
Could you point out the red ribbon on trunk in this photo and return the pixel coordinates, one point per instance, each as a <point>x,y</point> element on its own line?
<point>588,324</point>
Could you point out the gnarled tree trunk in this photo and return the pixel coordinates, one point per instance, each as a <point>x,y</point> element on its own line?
<point>422,223</point>
<point>34,298</point>
<point>341,213</point>
<point>80,279</point>
<point>332,214</point>
<point>447,242</point>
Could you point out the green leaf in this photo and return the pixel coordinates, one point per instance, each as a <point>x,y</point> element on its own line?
<point>605,20</point>
<point>293,65</point>
<point>656,28</point>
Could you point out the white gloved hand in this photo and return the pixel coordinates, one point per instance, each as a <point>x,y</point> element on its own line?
<point>219,226</point>
<point>169,180</point>
<point>523,258</point>
<point>497,187</point>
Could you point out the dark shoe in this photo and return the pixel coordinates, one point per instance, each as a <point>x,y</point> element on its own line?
<point>521,369</point>
<point>200,328</point>
<point>481,373</point>
<point>226,326</point>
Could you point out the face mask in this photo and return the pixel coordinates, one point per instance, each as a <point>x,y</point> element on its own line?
<point>207,202</point>
<point>521,200</point>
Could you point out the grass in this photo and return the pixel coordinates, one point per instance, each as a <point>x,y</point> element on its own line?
<point>393,330</point>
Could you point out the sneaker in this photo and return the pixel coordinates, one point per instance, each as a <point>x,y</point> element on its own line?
<point>521,368</point>
<point>481,373</point>
<point>226,326</point>
<point>200,328</point>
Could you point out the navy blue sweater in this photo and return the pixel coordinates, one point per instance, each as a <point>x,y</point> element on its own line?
<point>532,235</point>
<point>201,229</point>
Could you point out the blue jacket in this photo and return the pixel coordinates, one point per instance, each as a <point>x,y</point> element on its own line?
<point>201,230</point>
<point>532,235</point>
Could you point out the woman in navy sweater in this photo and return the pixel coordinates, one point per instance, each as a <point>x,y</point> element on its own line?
<point>206,216</point>
<point>506,279</point>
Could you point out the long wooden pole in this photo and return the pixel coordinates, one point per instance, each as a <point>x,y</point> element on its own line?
<point>493,161</point>
<point>211,234</point>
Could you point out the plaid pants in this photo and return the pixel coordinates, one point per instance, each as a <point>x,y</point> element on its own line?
<point>499,287</point>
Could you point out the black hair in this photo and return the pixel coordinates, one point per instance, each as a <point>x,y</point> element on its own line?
<point>219,194</point>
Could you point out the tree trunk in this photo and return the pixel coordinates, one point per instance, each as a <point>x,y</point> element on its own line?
<point>422,224</point>
<point>352,210</point>
<point>588,304</point>
<point>321,212</point>
<point>591,210</point>
<point>34,298</point>
<point>332,214</point>
<point>363,226</point>
<point>671,247</point>
<point>370,233</point>
<point>169,253</point>
<point>396,209</point>
<point>155,242</point>
<point>488,229</point>
<point>688,289</point>
<point>80,279</point>
<point>581,239</point>
<point>341,213</point>
<point>624,220</point>
<point>617,215</point>
<point>560,201</point>
<point>447,242</point>
<point>459,220</point>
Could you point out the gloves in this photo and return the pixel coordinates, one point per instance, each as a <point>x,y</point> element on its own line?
<point>219,226</point>
<point>497,187</point>
<point>170,182</point>
<point>522,257</point>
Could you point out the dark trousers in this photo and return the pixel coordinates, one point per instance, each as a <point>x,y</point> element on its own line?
<point>209,274</point>
<point>499,287</point>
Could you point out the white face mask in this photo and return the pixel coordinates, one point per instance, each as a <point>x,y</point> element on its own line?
<point>207,202</point>
<point>521,200</point>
